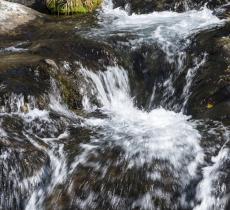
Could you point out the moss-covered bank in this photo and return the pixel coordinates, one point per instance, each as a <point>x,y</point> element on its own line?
<point>66,7</point>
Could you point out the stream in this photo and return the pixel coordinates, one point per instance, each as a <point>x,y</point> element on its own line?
<point>133,145</point>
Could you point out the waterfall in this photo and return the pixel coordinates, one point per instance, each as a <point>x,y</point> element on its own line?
<point>172,32</point>
<point>113,153</point>
<point>144,136</point>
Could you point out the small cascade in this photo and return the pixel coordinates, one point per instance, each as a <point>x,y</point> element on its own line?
<point>141,135</point>
<point>113,151</point>
<point>36,134</point>
<point>191,73</point>
<point>18,104</point>
<point>212,190</point>
<point>172,33</point>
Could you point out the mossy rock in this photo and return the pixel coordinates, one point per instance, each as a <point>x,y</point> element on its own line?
<point>67,7</point>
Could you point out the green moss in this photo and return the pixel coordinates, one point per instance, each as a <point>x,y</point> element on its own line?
<point>81,9</point>
<point>72,6</point>
<point>69,92</point>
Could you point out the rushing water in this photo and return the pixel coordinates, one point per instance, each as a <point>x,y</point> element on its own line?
<point>171,32</point>
<point>115,155</point>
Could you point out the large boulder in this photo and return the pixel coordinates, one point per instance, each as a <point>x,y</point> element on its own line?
<point>28,3</point>
<point>34,4</point>
<point>13,15</point>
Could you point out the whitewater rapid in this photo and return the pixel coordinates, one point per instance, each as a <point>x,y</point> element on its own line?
<point>153,134</point>
<point>112,154</point>
<point>170,30</point>
<point>158,134</point>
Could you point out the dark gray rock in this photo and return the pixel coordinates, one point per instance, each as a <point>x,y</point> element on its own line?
<point>147,6</point>
<point>211,88</point>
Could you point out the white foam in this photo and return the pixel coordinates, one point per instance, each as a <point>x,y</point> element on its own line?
<point>58,168</point>
<point>13,49</point>
<point>212,191</point>
<point>36,114</point>
<point>167,28</point>
<point>207,191</point>
<point>2,132</point>
<point>4,155</point>
<point>158,134</point>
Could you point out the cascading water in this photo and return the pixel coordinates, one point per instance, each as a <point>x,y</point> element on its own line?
<point>145,137</point>
<point>114,155</point>
<point>171,32</point>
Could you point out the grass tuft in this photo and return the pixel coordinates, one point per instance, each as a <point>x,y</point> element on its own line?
<point>68,7</point>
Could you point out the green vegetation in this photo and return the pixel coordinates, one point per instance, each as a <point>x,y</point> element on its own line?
<point>67,7</point>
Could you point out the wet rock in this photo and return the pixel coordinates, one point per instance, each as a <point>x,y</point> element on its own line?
<point>223,11</point>
<point>149,70</point>
<point>209,90</point>
<point>147,6</point>
<point>211,94</point>
<point>51,63</point>
<point>209,3</point>
<point>89,53</point>
<point>219,111</point>
<point>19,60</point>
<point>28,72</point>
<point>149,65</point>
<point>68,83</point>
<point>31,85</point>
<point>28,84</point>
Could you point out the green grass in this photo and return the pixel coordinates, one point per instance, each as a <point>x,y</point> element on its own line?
<point>67,7</point>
